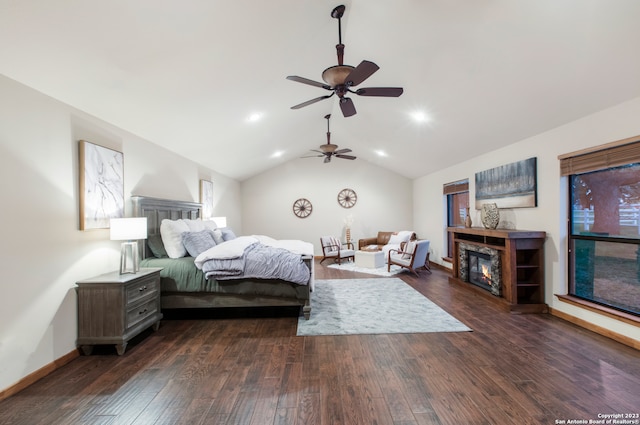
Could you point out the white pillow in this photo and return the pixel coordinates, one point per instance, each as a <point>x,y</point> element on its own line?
<point>171,233</point>
<point>408,250</point>
<point>209,224</point>
<point>195,225</point>
<point>217,236</point>
<point>400,237</point>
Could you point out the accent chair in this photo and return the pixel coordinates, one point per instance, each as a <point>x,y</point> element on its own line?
<point>333,248</point>
<point>413,255</point>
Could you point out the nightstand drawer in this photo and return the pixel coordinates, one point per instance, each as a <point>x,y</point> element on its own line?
<point>145,288</point>
<point>138,314</point>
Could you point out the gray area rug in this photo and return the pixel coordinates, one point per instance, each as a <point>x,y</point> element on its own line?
<point>373,306</point>
<point>381,271</point>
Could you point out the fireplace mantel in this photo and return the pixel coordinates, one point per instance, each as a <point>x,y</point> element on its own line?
<point>521,268</point>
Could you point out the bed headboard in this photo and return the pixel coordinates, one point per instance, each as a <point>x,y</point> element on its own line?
<point>156,210</point>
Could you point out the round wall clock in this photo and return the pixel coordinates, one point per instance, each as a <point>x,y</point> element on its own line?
<point>302,208</point>
<point>347,198</point>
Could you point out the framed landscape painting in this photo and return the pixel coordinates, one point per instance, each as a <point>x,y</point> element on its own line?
<point>101,185</point>
<point>512,185</point>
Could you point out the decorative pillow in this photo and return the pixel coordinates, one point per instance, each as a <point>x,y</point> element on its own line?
<point>171,232</point>
<point>217,236</point>
<point>154,242</point>
<point>395,239</point>
<point>197,242</point>
<point>194,225</point>
<point>227,234</point>
<point>209,224</point>
<point>334,241</point>
<point>399,237</point>
<point>409,248</point>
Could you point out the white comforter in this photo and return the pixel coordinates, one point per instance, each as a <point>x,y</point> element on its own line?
<point>258,257</point>
<point>234,248</point>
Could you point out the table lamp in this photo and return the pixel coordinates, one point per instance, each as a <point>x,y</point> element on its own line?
<point>130,230</point>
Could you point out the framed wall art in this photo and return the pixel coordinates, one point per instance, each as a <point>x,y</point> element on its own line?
<point>206,198</point>
<point>101,185</point>
<point>512,185</point>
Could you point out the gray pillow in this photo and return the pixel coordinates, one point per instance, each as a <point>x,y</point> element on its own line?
<point>227,234</point>
<point>154,242</point>
<point>198,242</point>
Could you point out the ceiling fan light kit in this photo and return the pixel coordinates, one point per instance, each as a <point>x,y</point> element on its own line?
<point>329,150</point>
<point>340,78</point>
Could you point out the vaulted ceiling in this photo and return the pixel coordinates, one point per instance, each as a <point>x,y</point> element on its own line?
<point>189,75</point>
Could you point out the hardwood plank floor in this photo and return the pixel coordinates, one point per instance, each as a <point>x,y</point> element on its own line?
<point>512,369</point>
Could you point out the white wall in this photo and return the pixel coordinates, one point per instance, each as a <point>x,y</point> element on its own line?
<point>43,253</point>
<point>385,200</point>
<point>603,127</point>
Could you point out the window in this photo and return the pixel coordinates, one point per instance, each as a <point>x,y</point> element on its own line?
<point>604,226</point>
<point>457,198</point>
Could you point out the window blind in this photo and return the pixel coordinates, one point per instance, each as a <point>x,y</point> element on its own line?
<point>610,155</point>
<point>456,187</point>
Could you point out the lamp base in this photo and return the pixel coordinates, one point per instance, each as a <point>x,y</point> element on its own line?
<point>129,262</point>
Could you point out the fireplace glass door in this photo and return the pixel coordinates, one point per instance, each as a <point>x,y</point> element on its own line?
<point>480,269</point>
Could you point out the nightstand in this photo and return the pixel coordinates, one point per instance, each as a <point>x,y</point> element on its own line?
<point>114,307</point>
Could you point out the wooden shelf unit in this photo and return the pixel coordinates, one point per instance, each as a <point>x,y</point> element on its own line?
<point>522,264</point>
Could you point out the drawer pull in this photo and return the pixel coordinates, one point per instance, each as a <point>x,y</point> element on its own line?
<point>143,311</point>
<point>144,288</point>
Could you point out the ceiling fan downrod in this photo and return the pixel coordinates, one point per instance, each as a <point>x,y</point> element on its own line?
<point>337,13</point>
<point>328,132</point>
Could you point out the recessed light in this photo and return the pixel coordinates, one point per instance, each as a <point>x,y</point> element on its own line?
<point>277,154</point>
<point>254,117</point>
<point>381,153</point>
<point>420,116</point>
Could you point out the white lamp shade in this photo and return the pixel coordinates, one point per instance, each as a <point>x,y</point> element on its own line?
<point>220,221</point>
<point>128,229</point>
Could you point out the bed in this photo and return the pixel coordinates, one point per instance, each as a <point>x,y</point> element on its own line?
<point>183,285</point>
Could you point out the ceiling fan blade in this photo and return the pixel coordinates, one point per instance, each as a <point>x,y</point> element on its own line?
<point>347,107</point>
<point>309,82</point>
<point>312,156</point>
<point>340,151</point>
<point>360,73</point>
<point>312,101</point>
<point>346,156</point>
<point>380,91</point>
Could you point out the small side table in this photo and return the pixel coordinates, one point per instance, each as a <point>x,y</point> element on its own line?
<point>114,307</point>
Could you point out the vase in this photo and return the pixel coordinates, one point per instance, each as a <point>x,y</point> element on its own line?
<point>490,215</point>
<point>467,220</point>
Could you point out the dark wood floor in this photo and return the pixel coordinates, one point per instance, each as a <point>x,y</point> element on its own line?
<point>512,369</point>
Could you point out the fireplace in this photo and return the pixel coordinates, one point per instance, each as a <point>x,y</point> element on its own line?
<point>480,265</point>
<point>517,266</point>
<point>480,269</point>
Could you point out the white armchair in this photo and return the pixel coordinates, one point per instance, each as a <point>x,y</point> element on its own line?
<point>333,248</point>
<point>414,256</point>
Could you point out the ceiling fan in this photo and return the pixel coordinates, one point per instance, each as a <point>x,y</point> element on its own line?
<point>329,150</point>
<point>340,78</point>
